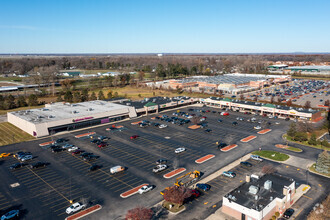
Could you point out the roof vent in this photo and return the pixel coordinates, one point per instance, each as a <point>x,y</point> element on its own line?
<point>253,189</point>
<point>271,198</point>
<point>256,197</point>
<point>268,184</point>
<point>254,176</point>
<point>51,116</point>
<point>90,109</point>
<point>128,103</point>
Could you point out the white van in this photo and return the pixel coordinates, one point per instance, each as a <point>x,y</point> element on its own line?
<point>116,169</point>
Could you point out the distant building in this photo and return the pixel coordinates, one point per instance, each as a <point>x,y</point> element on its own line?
<point>71,74</point>
<point>277,67</point>
<point>260,197</point>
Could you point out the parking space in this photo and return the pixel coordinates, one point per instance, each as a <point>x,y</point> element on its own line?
<point>48,187</point>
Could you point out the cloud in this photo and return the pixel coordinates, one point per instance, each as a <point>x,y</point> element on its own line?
<point>18,27</point>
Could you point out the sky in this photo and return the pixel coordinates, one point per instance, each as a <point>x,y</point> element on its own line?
<point>164,26</point>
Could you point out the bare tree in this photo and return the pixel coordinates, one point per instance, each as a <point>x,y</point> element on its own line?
<point>307,104</point>
<point>177,195</point>
<point>139,213</point>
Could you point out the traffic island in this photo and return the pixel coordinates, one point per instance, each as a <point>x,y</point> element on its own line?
<point>84,213</point>
<point>193,127</point>
<point>46,143</point>
<point>265,131</point>
<point>204,159</point>
<point>173,208</point>
<point>247,139</point>
<point>228,148</point>
<point>135,123</point>
<point>286,147</point>
<point>174,173</point>
<point>84,135</point>
<point>131,192</point>
<point>272,155</point>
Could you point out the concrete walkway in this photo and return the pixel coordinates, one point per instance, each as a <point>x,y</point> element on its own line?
<point>298,162</point>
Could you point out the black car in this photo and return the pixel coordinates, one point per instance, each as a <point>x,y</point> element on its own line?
<point>90,157</point>
<point>207,130</point>
<point>161,161</point>
<point>37,165</point>
<point>95,141</point>
<point>235,123</point>
<point>203,186</point>
<point>17,165</point>
<point>247,164</point>
<point>94,167</point>
<point>222,145</point>
<point>288,213</point>
<point>61,140</point>
<point>85,154</point>
<point>57,150</point>
<point>20,155</point>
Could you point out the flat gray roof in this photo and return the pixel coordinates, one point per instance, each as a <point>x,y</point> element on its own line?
<point>224,79</point>
<point>320,68</point>
<point>59,111</point>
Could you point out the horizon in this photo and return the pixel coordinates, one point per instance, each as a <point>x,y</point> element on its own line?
<point>171,27</point>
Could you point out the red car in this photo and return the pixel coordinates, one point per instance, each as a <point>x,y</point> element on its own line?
<point>77,152</point>
<point>204,117</point>
<point>102,145</point>
<point>195,193</point>
<point>208,111</point>
<point>134,137</point>
<point>225,113</point>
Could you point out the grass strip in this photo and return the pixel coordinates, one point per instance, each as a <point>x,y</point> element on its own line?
<point>273,155</point>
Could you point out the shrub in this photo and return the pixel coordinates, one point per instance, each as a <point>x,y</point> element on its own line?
<point>277,214</point>
<point>300,136</point>
<point>312,140</point>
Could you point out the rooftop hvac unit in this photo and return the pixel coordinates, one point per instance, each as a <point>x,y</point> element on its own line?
<point>256,197</point>
<point>254,176</point>
<point>268,184</point>
<point>253,189</point>
<point>128,103</point>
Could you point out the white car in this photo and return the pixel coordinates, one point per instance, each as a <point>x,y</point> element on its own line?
<point>270,116</point>
<point>159,168</point>
<point>145,189</point>
<point>73,148</point>
<point>189,116</point>
<point>162,126</point>
<point>257,127</point>
<point>256,157</point>
<point>277,123</point>
<point>75,207</point>
<point>179,150</point>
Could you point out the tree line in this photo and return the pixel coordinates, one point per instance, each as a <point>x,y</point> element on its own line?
<point>11,102</point>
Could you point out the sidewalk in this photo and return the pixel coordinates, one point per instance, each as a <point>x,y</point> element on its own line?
<point>298,162</point>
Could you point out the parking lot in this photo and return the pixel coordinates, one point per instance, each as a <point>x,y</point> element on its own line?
<point>299,92</point>
<point>47,191</point>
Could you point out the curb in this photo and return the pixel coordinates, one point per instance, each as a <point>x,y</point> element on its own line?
<point>249,138</point>
<point>320,174</point>
<point>265,131</point>
<point>174,173</point>
<point>46,143</point>
<point>87,212</point>
<point>228,148</point>
<point>84,135</point>
<point>132,191</point>
<point>205,158</point>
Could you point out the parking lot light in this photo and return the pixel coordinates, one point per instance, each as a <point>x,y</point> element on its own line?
<point>71,201</point>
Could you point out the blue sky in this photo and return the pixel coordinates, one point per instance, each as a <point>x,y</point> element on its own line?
<point>169,26</point>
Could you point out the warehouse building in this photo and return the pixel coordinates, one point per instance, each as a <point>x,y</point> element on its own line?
<point>58,117</point>
<point>260,197</point>
<point>261,108</point>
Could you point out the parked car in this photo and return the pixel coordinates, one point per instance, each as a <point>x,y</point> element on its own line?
<point>67,146</point>
<point>78,151</point>
<point>159,167</point>
<point>57,149</point>
<point>161,161</point>
<point>246,164</point>
<point>116,169</point>
<point>85,154</point>
<point>73,149</point>
<point>26,158</point>
<point>257,127</point>
<point>58,141</point>
<point>75,207</point>
<point>288,213</point>
<point>219,120</point>
<point>235,123</point>
<point>5,155</point>
<point>195,193</point>
<point>256,157</point>
<point>17,166</point>
<point>20,155</point>
<point>103,138</point>
<point>162,126</point>
<point>10,215</point>
<point>207,130</point>
<point>229,174</point>
<point>102,145</point>
<point>37,165</point>
<point>134,137</point>
<point>90,157</point>
<point>179,150</point>
<point>94,167</point>
<point>145,189</point>
<point>203,186</point>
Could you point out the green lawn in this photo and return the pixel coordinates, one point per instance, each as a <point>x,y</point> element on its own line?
<point>306,143</point>
<point>273,155</point>
<point>10,134</point>
<point>295,149</point>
